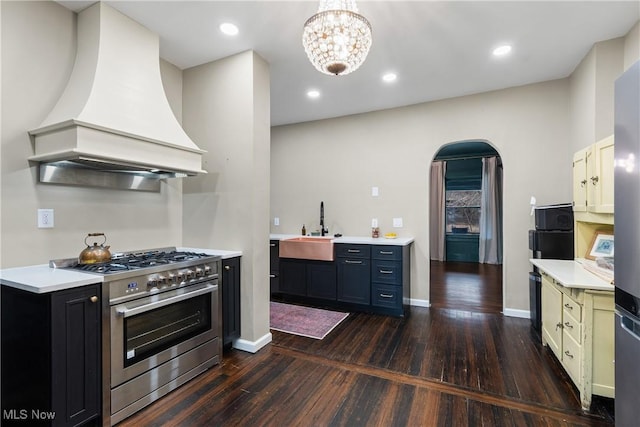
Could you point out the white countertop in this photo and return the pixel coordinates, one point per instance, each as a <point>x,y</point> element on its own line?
<point>571,274</point>
<point>398,241</point>
<point>221,253</point>
<point>41,279</point>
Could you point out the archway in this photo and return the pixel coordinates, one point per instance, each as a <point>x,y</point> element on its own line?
<point>466,228</point>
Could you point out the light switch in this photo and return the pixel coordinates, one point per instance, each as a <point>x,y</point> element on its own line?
<point>276,221</point>
<point>45,218</point>
<point>397,222</point>
<point>374,192</point>
<point>374,222</point>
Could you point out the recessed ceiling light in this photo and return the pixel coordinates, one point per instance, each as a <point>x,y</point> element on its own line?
<point>389,77</point>
<point>502,50</point>
<point>229,29</point>
<point>313,94</point>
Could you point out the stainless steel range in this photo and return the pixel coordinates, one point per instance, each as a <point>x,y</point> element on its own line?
<point>161,324</point>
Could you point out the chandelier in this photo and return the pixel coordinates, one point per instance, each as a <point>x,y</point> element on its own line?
<point>337,39</point>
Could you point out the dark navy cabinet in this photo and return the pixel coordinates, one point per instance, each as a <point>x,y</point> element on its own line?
<point>321,280</point>
<point>230,300</point>
<point>354,273</point>
<point>390,278</point>
<point>274,264</point>
<point>306,278</point>
<point>293,276</point>
<point>51,366</point>
<point>364,277</point>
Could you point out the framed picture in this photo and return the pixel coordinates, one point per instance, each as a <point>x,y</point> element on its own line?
<point>601,246</point>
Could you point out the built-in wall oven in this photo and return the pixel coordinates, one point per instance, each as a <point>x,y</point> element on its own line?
<point>161,325</point>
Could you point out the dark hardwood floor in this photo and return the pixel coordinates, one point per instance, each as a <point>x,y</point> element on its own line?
<point>466,286</point>
<point>438,367</point>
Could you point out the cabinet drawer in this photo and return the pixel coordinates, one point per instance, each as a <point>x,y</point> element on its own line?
<point>571,358</point>
<point>353,251</point>
<point>572,307</point>
<point>386,296</point>
<point>389,272</point>
<point>393,253</point>
<point>571,325</point>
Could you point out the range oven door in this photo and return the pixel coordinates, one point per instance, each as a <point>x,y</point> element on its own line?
<point>152,330</point>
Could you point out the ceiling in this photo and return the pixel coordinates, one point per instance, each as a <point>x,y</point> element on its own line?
<point>438,49</point>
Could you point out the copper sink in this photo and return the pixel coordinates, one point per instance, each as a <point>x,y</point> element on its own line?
<point>305,247</point>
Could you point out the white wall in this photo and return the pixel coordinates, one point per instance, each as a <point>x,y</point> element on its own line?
<point>632,46</point>
<point>339,160</point>
<point>592,87</point>
<point>226,112</point>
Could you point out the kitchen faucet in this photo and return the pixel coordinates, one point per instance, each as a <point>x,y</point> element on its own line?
<point>323,231</point>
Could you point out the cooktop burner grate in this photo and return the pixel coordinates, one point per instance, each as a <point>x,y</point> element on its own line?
<point>137,261</point>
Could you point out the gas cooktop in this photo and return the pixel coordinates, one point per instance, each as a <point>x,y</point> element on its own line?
<point>135,260</point>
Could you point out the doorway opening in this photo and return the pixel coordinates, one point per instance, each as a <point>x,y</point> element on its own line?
<point>466,228</point>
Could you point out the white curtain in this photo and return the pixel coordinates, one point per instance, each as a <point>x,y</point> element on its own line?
<point>491,212</point>
<point>437,211</point>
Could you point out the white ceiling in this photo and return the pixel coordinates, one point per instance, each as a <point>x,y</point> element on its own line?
<point>439,49</point>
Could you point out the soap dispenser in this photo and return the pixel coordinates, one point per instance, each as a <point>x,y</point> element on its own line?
<point>304,230</point>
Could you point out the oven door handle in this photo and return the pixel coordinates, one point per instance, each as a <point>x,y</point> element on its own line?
<point>127,312</point>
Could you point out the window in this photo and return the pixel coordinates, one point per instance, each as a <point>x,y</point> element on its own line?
<point>463,211</point>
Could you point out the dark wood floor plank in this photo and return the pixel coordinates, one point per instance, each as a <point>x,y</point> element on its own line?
<point>466,286</point>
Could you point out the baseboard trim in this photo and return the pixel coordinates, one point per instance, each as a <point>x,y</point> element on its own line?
<point>512,312</point>
<point>419,302</point>
<point>252,346</point>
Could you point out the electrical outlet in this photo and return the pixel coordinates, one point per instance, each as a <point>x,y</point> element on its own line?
<point>276,221</point>
<point>397,222</point>
<point>375,192</point>
<point>45,218</point>
<point>374,222</point>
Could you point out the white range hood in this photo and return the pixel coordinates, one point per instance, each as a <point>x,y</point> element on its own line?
<point>114,114</point>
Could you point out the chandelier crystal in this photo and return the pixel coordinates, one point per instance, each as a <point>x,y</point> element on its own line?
<point>337,39</point>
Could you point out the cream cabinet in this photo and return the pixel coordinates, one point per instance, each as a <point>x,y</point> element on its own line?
<point>578,326</point>
<point>580,181</point>
<point>551,316</point>
<point>593,178</point>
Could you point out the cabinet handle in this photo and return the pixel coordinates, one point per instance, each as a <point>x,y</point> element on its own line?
<point>386,296</point>
<point>272,276</point>
<point>568,325</point>
<point>348,261</point>
<point>273,245</point>
<point>568,306</point>
<point>353,251</point>
<point>583,183</point>
<point>568,354</point>
<point>386,271</point>
<point>93,299</point>
<point>559,325</point>
<point>386,252</point>
<point>227,267</point>
<point>594,180</point>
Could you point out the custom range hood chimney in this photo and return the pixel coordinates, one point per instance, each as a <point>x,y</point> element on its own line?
<point>114,115</point>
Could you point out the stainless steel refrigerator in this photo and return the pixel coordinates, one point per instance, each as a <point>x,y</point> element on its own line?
<point>627,241</point>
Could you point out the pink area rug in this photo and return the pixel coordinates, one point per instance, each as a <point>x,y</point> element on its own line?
<point>305,321</point>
